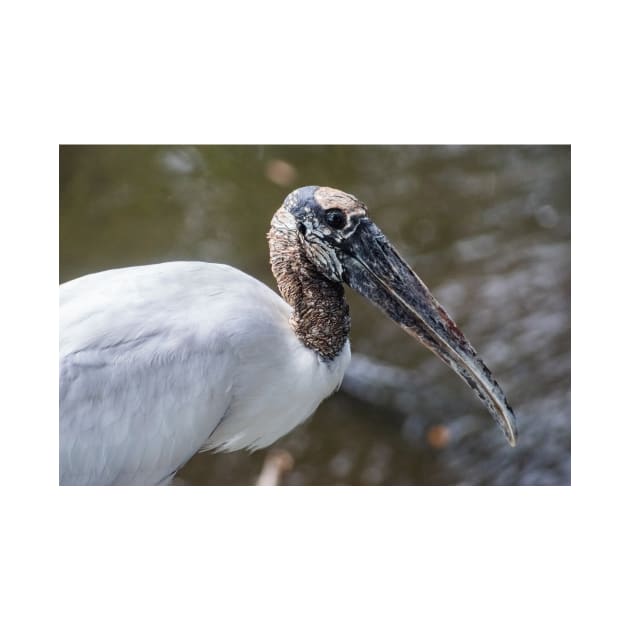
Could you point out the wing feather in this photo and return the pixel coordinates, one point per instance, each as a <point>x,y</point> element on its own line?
<point>147,365</point>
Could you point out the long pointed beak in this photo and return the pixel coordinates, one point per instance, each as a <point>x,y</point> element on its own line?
<point>375,269</point>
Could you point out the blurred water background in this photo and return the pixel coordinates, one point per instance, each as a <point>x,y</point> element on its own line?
<point>486,228</point>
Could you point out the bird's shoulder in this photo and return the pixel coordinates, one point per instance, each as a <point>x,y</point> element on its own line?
<point>191,302</point>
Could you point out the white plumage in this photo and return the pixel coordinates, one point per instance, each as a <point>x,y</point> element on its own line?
<point>160,361</point>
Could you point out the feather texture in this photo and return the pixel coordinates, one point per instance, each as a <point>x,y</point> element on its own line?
<point>160,361</point>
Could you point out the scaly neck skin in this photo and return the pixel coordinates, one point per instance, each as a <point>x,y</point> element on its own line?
<point>321,317</point>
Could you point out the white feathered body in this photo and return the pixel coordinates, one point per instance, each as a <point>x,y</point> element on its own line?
<point>160,361</point>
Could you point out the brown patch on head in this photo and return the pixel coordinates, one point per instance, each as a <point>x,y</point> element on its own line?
<point>329,198</point>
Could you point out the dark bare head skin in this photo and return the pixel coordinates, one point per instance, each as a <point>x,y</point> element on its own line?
<point>322,237</point>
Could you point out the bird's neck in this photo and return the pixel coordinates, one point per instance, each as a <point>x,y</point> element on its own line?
<point>321,317</point>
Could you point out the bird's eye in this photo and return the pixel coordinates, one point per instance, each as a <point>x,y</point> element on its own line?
<point>302,229</point>
<point>335,218</point>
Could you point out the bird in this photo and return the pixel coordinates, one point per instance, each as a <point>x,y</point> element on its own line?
<point>161,361</point>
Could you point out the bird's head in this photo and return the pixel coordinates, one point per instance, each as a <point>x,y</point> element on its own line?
<point>335,233</point>
<point>325,220</point>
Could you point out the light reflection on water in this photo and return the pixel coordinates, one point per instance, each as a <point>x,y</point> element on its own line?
<point>487,228</point>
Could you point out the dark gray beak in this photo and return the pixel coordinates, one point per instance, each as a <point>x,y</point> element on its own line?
<point>374,269</point>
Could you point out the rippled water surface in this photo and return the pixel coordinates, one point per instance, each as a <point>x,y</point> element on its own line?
<point>488,230</point>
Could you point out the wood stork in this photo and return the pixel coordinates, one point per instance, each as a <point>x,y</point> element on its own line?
<point>161,361</point>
